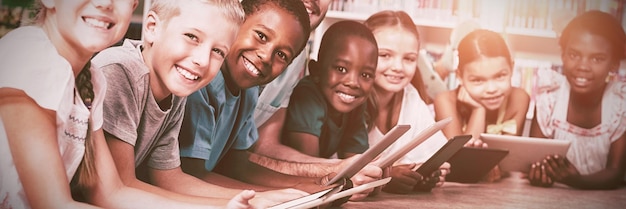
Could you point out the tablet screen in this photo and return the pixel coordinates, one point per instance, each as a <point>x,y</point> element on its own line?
<point>443,154</point>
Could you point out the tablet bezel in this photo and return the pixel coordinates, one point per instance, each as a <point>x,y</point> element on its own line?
<point>523,150</point>
<point>443,154</point>
<point>371,153</point>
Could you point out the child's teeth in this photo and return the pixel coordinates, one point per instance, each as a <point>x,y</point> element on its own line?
<point>187,74</point>
<point>97,23</point>
<point>251,68</point>
<point>581,79</point>
<point>394,77</point>
<point>346,97</point>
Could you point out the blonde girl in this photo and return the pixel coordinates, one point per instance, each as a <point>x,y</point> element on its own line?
<point>51,108</point>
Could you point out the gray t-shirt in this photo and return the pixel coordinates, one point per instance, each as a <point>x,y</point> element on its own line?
<point>132,114</point>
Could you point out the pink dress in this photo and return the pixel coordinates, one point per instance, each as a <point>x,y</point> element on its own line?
<point>589,147</point>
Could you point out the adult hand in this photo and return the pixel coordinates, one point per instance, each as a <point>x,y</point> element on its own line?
<point>538,176</point>
<point>403,179</point>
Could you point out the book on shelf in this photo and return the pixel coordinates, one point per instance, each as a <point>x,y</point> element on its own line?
<point>516,16</point>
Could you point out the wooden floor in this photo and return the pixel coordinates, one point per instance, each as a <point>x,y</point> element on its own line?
<point>511,192</point>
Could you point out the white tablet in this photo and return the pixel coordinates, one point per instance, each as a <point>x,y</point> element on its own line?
<point>524,151</point>
<point>318,199</point>
<point>347,172</point>
<point>421,137</point>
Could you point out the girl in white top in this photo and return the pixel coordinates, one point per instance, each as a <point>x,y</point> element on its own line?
<point>51,108</point>
<point>584,106</point>
<point>395,101</point>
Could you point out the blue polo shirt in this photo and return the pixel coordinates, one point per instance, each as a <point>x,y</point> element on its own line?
<point>216,120</point>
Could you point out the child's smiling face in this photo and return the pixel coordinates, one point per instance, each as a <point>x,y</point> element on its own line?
<point>347,72</point>
<point>266,44</point>
<point>186,53</point>
<point>587,61</point>
<point>90,26</point>
<point>397,58</point>
<point>488,81</point>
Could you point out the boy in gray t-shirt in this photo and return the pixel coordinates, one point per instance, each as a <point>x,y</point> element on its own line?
<point>148,83</point>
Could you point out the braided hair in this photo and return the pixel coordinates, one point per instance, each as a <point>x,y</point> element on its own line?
<point>86,175</point>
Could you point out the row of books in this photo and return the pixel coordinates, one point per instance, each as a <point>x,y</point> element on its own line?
<point>492,14</point>
<point>12,17</point>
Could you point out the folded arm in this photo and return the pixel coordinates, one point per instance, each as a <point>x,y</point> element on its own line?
<point>32,139</point>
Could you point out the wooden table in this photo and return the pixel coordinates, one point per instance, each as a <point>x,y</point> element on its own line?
<point>510,192</point>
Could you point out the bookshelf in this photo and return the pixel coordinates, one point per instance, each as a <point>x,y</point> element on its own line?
<point>529,26</point>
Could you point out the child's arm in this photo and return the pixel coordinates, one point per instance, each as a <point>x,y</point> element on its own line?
<point>31,134</point>
<point>39,143</point>
<point>476,123</point>
<point>446,106</point>
<point>124,159</point>
<point>110,192</point>
<point>236,164</point>
<point>304,142</point>
<point>610,177</point>
<point>271,153</point>
<point>123,109</point>
<point>269,143</point>
<point>518,104</point>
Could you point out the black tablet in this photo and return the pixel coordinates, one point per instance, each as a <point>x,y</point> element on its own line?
<point>443,154</point>
<point>470,164</point>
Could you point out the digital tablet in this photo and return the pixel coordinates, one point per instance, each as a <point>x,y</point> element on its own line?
<point>371,153</point>
<point>443,154</point>
<point>524,151</point>
<point>471,164</point>
<point>421,137</point>
<point>302,200</point>
<point>319,198</point>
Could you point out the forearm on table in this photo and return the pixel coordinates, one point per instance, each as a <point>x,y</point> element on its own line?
<point>111,192</point>
<point>130,197</point>
<point>212,198</point>
<point>313,167</point>
<point>285,153</point>
<point>236,164</point>
<point>605,179</point>
<point>611,176</point>
<point>176,180</point>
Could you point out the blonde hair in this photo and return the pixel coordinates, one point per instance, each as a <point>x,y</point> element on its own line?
<point>231,9</point>
<point>400,19</point>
